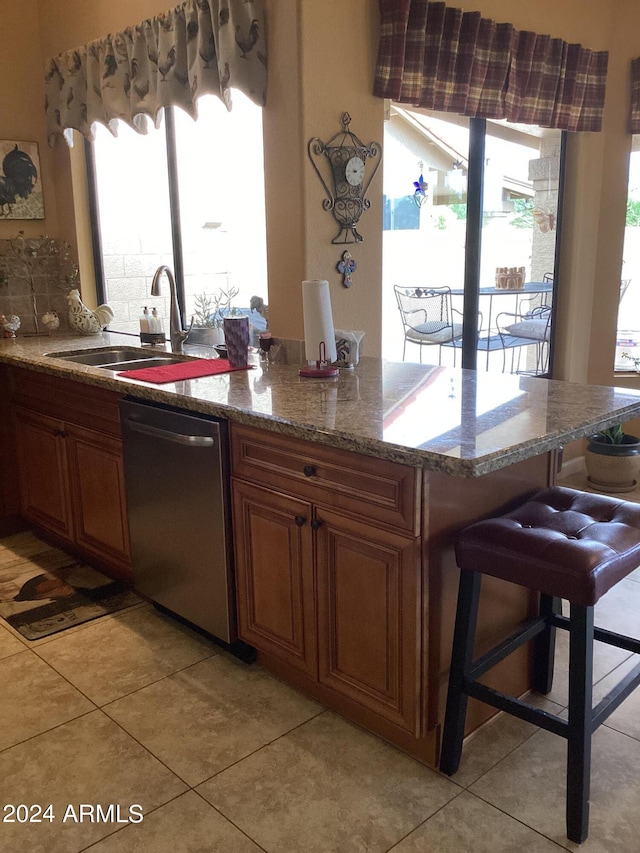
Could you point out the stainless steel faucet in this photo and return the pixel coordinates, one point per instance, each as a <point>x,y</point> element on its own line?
<point>177,334</point>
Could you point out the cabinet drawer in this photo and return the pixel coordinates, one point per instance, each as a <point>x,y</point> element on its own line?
<point>374,488</point>
<point>86,405</point>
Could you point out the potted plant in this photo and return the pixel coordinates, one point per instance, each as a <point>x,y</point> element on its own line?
<point>634,359</point>
<point>207,319</point>
<point>612,458</point>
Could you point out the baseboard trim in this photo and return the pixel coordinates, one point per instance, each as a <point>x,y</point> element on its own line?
<point>11,524</point>
<point>573,466</point>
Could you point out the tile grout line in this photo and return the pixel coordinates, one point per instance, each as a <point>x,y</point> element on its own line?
<point>269,743</point>
<point>222,769</point>
<point>130,693</point>
<point>228,819</point>
<point>48,731</point>
<point>522,823</point>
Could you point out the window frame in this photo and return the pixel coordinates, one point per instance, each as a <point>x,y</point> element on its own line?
<point>174,213</point>
<point>475,188</point>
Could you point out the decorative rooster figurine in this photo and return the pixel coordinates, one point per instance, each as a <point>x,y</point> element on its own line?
<point>9,325</point>
<point>85,321</point>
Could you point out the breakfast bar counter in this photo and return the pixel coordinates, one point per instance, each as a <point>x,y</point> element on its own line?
<point>347,496</point>
<point>459,422</point>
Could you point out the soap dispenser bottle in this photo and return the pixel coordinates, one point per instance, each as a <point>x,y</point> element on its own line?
<point>145,326</point>
<point>156,322</point>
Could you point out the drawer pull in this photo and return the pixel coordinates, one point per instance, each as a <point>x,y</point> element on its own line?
<point>309,470</point>
<point>317,523</point>
<point>300,520</point>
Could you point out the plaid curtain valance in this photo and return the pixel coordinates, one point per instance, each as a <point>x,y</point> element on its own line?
<point>437,57</point>
<point>634,118</point>
<point>200,47</point>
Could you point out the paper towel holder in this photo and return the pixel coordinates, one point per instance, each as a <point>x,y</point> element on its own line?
<point>322,369</point>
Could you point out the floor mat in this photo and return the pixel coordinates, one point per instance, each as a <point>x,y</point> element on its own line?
<point>43,590</point>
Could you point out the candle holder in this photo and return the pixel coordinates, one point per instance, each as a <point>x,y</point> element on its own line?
<point>265,341</point>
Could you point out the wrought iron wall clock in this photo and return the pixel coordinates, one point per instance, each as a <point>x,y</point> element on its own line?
<point>347,157</point>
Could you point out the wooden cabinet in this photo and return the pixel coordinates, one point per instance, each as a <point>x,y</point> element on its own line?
<point>367,600</point>
<point>10,518</point>
<point>274,574</point>
<point>96,477</point>
<point>329,574</point>
<point>70,467</point>
<point>44,486</point>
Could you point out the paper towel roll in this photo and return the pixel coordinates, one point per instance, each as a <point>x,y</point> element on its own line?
<point>318,320</point>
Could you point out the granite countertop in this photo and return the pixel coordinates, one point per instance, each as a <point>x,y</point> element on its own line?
<point>460,422</point>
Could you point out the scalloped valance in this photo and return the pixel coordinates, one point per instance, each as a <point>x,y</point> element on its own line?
<point>199,47</point>
<point>437,57</point>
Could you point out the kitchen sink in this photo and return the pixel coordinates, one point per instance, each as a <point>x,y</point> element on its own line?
<point>120,358</point>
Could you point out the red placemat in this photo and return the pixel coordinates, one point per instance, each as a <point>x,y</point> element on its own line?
<point>184,370</point>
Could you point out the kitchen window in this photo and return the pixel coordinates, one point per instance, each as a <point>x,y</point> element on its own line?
<point>189,194</point>
<point>445,167</point>
<point>628,337</point>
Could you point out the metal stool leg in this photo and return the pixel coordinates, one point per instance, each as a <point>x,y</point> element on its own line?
<point>546,645</point>
<point>461,660</point>
<point>580,718</point>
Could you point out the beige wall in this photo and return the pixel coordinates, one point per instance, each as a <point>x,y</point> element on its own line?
<point>338,60</point>
<point>322,57</point>
<point>22,104</point>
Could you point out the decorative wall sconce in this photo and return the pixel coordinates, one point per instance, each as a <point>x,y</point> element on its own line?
<point>347,157</point>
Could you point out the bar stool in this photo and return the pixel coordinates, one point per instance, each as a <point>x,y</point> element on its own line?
<point>564,544</point>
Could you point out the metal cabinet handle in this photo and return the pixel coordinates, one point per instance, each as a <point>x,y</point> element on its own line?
<point>60,433</point>
<point>309,470</point>
<point>176,438</point>
<point>317,523</point>
<point>300,520</point>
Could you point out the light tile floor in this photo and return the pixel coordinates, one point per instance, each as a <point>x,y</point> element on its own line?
<point>134,709</point>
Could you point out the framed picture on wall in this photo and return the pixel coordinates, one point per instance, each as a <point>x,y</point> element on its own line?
<point>20,184</point>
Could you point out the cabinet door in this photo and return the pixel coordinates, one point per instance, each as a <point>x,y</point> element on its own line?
<point>99,503</point>
<point>44,485</point>
<point>274,572</point>
<point>368,587</point>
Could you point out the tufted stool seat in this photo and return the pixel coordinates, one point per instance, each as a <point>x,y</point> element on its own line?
<point>561,543</point>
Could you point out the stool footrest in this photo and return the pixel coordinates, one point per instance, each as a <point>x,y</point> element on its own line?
<point>525,633</point>
<point>516,707</point>
<point>611,638</point>
<point>615,697</point>
<point>629,644</point>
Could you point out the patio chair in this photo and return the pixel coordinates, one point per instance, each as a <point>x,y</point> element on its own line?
<point>523,330</point>
<point>427,317</point>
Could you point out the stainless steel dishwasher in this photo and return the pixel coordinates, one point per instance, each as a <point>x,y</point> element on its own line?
<point>177,483</point>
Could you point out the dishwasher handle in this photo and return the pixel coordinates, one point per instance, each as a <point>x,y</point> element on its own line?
<point>176,438</point>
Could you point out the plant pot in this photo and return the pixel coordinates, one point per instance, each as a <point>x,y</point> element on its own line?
<point>207,336</point>
<point>613,467</point>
